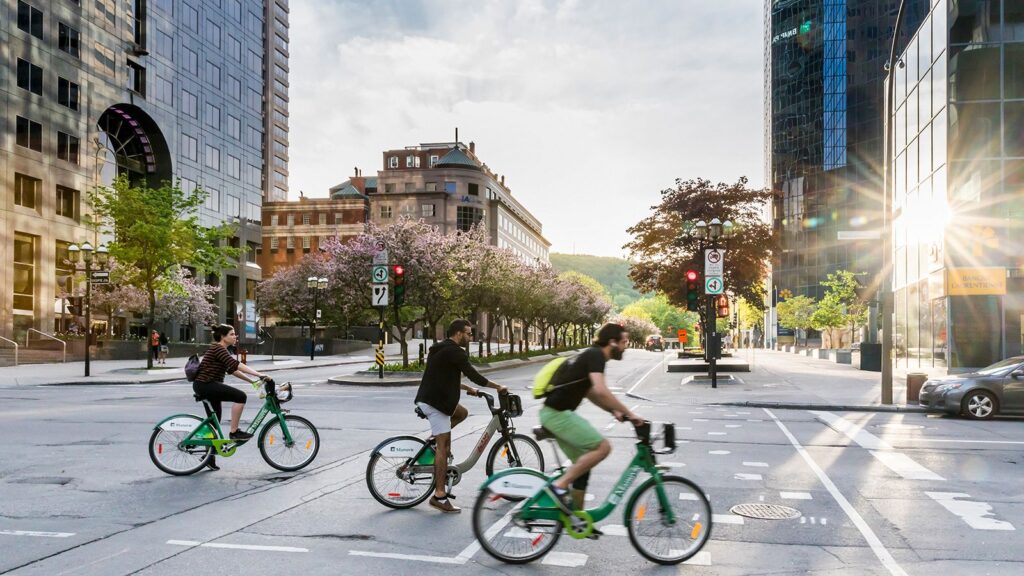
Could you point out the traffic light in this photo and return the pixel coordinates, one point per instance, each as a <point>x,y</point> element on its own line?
<point>692,291</point>
<point>735,318</point>
<point>722,306</point>
<point>399,272</point>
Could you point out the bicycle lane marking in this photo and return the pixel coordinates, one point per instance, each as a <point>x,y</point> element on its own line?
<point>641,381</point>
<point>879,549</point>
<point>898,462</point>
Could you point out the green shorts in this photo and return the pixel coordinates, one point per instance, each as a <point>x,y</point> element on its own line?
<point>575,435</point>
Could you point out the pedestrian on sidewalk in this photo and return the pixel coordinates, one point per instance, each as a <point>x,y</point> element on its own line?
<point>154,345</point>
<point>163,348</point>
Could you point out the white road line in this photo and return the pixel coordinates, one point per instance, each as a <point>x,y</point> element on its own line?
<point>700,419</point>
<point>726,519</point>
<point>642,378</point>
<point>716,433</point>
<point>688,496</point>
<point>795,495</point>
<point>880,449</point>
<point>237,546</point>
<point>743,476</point>
<point>614,530</point>
<point>37,534</point>
<point>566,559</point>
<point>699,559</point>
<point>718,452</point>
<point>756,464</point>
<point>413,557</point>
<point>975,514</point>
<point>905,466</point>
<point>673,464</point>
<point>922,439</point>
<point>753,419</point>
<point>733,425</point>
<point>869,535</point>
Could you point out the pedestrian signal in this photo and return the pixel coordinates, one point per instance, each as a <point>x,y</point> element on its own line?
<point>722,306</point>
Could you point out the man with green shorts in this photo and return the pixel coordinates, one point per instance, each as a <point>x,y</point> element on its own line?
<point>577,378</point>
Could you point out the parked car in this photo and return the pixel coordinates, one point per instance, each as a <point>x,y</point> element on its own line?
<point>655,342</point>
<point>997,389</point>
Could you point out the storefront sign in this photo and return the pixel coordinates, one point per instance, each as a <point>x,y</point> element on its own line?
<point>976,281</point>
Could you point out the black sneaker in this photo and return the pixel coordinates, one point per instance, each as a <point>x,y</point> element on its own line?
<point>212,464</point>
<point>240,436</point>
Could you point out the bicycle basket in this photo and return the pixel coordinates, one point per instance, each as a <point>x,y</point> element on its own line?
<point>512,404</point>
<point>284,392</point>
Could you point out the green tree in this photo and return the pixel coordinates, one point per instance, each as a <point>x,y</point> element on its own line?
<point>797,313</point>
<point>843,306</point>
<point>666,317</point>
<point>156,230</point>
<point>829,316</point>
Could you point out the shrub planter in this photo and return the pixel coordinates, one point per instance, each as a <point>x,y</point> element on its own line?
<point>844,357</point>
<point>823,353</point>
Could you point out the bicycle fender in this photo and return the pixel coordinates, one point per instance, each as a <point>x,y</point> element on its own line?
<point>399,446</point>
<point>179,423</point>
<point>516,482</point>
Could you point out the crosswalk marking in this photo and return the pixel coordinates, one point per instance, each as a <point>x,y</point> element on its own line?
<point>37,534</point>
<point>975,514</point>
<point>880,449</point>
<point>795,495</point>
<point>614,530</point>
<point>699,559</point>
<point>905,466</point>
<point>237,546</point>
<point>756,464</point>
<point>566,559</point>
<point>743,476</point>
<point>726,519</point>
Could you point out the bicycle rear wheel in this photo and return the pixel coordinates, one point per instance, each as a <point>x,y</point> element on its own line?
<point>289,457</point>
<point>652,533</point>
<point>505,536</point>
<point>167,453</point>
<point>393,480</point>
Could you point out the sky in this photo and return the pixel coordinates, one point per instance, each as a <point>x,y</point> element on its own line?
<point>588,107</point>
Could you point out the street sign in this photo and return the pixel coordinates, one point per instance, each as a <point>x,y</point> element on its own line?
<point>380,295</point>
<point>714,285</point>
<point>380,274</point>
<point>100,277</point>
<point>317,313</point>
<point>379,356</point>
<point>714,262</point>
<point>380,258</point>
<point>682,336</point>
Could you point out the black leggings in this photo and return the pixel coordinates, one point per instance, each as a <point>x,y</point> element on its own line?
<point>217,392</point>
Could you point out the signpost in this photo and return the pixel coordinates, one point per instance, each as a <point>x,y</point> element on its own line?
<point>99,277</point>
<point>380,274</point>
<point>379,298</point>
<point>714,284</point>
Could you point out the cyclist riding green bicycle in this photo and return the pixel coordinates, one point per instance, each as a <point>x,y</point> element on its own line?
<point>209,382</point>
<point>583,377</point>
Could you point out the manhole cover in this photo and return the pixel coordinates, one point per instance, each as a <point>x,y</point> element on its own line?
<point>765,511</point>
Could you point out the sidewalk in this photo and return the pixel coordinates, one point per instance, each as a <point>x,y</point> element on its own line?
<point>786,380</point>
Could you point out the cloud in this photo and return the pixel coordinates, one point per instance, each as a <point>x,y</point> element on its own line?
<point>589,108</point>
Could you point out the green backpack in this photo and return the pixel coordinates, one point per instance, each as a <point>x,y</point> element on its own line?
<point>542,385</point>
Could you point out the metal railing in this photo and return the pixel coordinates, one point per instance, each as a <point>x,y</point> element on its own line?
<point>51,337</point>
<point>15,349</point>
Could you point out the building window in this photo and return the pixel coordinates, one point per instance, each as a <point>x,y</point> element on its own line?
<point>474,189</point>
<point>105,11</point>
<point>212,114</point>
<point>389,188</point>
<point>26,190</point>
<point>213,199</point>
<point>305,243</point>
<point>305,219</point>
<point>104,58</point>
<point>322,218</point>
<point>24,271</point>
<point>67,147</point>
<point>63,271</point>
<point>393,162</point>
<point>430,187</point>
<point>467,216</point>
<point>67,202</point>
<point>165,45</point>
<point>164,91</point>
<point>433,160</point>
<point>67,93</point>
<point>213,33</point>
<point>274,243</point>
<point>29,134</point>
<point>339,219</point>
<point>30,77</point>
<point>189,103</point>
<point>191,18</point>
<point>191,61</point>
<point>213,75</point>
<point>234,206</point>
<point>385,212</point>
<point>189,147</point>
<point>67,40</point>
<point>136,78</point>
<point>291,219</point>
<point>234,127</point>
<point>234,167</point>
<point>273,219</point>
<point>290,243</point>
<point>212,157</point>
<point>427,210</point>
<point>410,186</point>
<point>30,19</point>
<point>234,49</point>
<point>449,187</point>
<point>412,161</point>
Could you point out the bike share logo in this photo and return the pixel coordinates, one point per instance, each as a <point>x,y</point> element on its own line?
<point>509,484</point>
<point>184,426</point>
<point>399,450</point>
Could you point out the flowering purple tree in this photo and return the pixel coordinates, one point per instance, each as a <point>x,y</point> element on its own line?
<point>117,298</point>
<point>183,299</point>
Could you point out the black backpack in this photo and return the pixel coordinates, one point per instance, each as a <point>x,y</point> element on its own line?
<point>192,367</point>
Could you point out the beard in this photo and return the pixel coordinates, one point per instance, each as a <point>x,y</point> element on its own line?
<point>616,353</point>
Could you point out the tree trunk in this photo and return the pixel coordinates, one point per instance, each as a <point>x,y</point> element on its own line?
<point>151,322</point>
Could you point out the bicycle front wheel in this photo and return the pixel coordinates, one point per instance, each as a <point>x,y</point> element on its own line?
<point>526,454</point>
<point>669,525</point>
<point>296,455</point>
<point>502,533</point>
<point>167,453</point>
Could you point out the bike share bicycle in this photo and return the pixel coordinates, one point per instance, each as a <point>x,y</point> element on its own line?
<point>182,444</point>
<point>668,517</point>
<point>400,473</point>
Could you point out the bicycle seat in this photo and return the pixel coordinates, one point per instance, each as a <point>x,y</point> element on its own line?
<point>541,433</point>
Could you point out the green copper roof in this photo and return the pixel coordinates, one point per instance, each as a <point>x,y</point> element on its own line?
<point>458,159</point>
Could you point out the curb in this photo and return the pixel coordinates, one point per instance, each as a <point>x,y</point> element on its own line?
<point>840,407</point>
<point>404,381</point>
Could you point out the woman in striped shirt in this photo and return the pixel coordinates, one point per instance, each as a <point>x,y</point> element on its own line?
<point>209,383</point>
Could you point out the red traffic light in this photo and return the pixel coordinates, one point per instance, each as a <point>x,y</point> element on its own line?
<point>691,275</point>
<point>399,270</point>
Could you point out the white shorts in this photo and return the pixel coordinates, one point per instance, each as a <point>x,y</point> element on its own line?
<point>440,423</point>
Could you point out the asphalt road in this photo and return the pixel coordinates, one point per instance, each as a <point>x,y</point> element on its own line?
<point>878,493</point>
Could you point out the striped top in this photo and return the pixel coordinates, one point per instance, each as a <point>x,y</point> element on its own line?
<point>215,364</point>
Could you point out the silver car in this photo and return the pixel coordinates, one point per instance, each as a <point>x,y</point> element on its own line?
<point>997,389</point>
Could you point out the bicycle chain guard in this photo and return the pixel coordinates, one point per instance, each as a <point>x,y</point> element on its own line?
<point>220,447</point>
<point>573,529</point>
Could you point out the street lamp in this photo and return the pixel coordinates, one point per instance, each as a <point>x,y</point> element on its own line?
<point>84,254</point>
<point>315,285</point>
<point>708,236</point>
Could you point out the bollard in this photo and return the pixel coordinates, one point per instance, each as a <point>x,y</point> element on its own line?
<point>421,352</point>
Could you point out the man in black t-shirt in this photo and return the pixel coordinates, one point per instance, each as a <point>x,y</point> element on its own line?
<point>583,377</point>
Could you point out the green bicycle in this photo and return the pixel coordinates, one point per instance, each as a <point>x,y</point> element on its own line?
<point>668,518</point>
<point>182,444</point>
